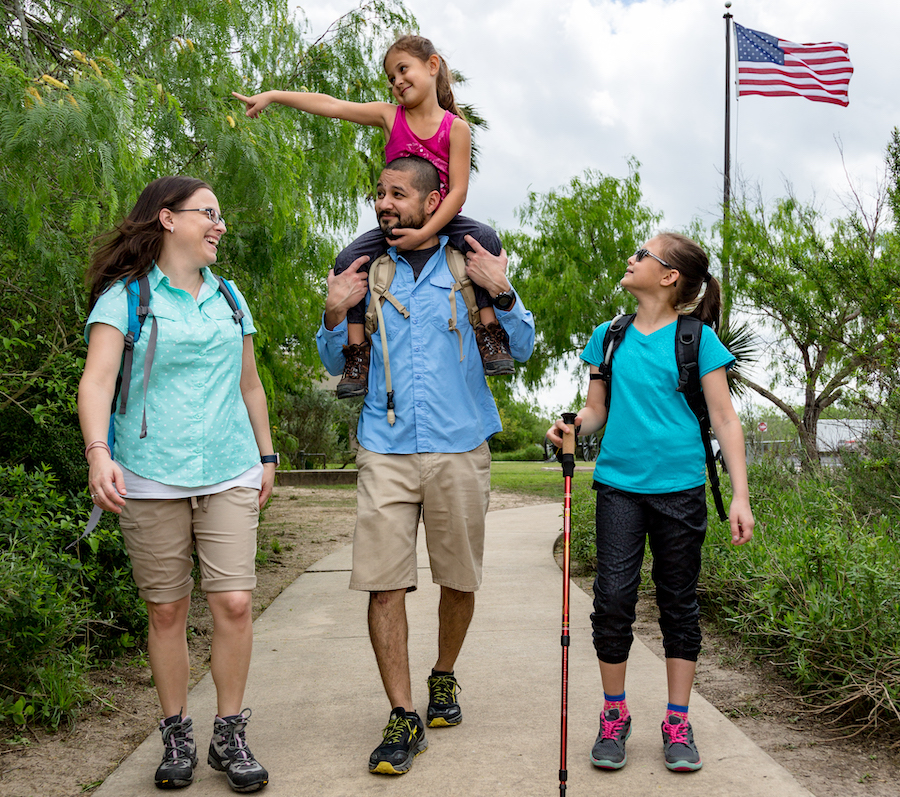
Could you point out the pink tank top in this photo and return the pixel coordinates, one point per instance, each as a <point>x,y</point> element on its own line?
<point>403,142</point>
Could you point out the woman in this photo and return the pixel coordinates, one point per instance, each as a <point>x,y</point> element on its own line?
<point>194,477</point>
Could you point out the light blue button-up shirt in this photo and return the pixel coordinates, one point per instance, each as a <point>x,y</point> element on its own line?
<point>198,429</point>
<point>442,404</point>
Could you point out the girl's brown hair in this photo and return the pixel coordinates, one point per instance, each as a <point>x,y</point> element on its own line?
<point>692,263</point>
<point>129,250</point>
<point>422,48</point>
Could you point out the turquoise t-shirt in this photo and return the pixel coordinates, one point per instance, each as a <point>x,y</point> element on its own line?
<point>652,440</point>
<point>198,429</point>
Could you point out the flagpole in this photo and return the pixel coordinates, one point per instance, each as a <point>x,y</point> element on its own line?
<point>726,200</point>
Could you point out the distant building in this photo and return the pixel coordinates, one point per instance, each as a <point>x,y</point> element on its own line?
<point>834,436</point>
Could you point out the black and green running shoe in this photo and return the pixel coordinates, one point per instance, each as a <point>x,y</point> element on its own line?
<point>443,710</point>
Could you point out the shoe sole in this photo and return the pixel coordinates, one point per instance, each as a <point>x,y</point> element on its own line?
<point>387,768</point>
<point>173,784</point>
<point>443,722</point>
<point>499,368</point>
<point>351,392</point>
<point>246,788</point>
<point>683,766</point>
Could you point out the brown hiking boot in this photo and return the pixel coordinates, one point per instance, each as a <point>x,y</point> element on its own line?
<point>356,371</point>
<point>493,345</point>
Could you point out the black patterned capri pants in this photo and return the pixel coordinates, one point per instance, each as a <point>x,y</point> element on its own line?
<point>675,524</point>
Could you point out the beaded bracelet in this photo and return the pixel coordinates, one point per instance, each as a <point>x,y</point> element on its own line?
<point>97,444</point>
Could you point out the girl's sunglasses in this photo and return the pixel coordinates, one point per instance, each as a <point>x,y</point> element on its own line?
<point>642,253</point>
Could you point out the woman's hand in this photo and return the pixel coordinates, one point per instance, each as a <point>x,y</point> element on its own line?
<point>106,482</point>
<point>268,483</point>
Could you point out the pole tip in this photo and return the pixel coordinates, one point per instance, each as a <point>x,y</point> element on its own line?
<point>727,3</point>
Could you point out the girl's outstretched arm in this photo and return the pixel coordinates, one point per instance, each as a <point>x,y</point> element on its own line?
<point>727,427</point>
<point>590,418</point>
<point>374,114</point>
<point>460,165</point>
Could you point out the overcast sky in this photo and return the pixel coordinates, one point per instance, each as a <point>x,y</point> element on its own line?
<point>570,85</point>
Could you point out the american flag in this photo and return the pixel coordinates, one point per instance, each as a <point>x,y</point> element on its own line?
<point>773,67</point>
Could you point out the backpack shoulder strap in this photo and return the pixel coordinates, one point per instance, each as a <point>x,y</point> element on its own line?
<point>456,260</point>
<point>611,341</point>
<point>227,290</point>
<point>687,357</point>
<point>138,294</point>
<point>381,275</point>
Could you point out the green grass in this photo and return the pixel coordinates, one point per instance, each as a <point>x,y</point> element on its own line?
<point>543,479</point>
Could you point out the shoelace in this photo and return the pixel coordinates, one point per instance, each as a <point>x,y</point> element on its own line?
<point>677,733</point>
<point>489,343</point>
<point>393,734</point>
<point>444,688</point>
<point>612,728</point>
<point>237,741</point>
<point>355,363</point>
<point>176,742</point>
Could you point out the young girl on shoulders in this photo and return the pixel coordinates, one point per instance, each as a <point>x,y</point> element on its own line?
<point>650,483</point>
<point>425,122</point>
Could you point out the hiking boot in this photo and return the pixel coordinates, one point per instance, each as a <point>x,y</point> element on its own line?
<point>180,755</point>
<point>443,710</point>
<point>678,746</point>
<point>355,381</point>
<point>493,345</point>
<point>228,753</point>
<point>609,749</point>
<point>404,739</point>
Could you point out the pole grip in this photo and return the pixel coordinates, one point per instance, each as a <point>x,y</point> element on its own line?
<point>568,446</point>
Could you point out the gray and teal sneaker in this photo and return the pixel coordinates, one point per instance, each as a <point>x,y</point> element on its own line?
<point>229,753</point>
<point>678,746</point>
<point>403,739</point>
<point>609,749</point>
<point>443,710</point>
<point>179,755</point>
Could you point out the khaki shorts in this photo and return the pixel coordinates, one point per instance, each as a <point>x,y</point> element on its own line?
<point>451,491</point>
<point>160,536</point>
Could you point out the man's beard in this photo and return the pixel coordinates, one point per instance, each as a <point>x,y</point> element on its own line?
<point>387,224</point>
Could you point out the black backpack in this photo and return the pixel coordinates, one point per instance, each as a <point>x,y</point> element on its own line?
<point>687,356</point>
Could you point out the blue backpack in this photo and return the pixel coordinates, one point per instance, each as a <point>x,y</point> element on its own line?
<point>138,293</point>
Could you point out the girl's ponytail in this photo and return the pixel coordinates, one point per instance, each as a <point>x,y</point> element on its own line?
<point>422,48</point>
<point>694,277</point>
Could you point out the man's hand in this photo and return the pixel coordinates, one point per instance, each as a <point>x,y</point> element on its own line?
<point>345,290</point>
<point>485,269</point>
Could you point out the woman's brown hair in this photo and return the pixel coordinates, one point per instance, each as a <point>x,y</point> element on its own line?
<point>422,48</point>
<point>129,250</point>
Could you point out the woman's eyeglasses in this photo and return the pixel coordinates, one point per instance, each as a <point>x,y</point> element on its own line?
<point>642,253</point>
<point>214,216</point>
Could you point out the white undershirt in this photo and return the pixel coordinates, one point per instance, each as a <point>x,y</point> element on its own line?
<point>139,487</point>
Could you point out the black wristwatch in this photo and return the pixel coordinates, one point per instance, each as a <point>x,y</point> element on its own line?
<point>505,300</point>
<point>267,458</point>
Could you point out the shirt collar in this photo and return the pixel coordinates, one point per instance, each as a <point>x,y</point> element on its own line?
<point>210,283</point>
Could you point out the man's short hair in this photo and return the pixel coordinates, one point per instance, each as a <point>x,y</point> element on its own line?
<point>425,177</point>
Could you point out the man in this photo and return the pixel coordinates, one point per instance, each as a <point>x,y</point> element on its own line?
<point>433,459</point>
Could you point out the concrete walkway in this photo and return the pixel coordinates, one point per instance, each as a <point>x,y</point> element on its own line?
<point>318,706</point>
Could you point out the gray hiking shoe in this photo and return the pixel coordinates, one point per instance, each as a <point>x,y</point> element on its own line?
<point>678,746</point>
<point>609,749</point>
<point>180,754</point>
<point>229,753</point>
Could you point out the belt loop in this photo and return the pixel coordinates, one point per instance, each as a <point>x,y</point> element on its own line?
<point>194,503</point>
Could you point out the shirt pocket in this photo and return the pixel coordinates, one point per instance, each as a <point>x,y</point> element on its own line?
<point>441,308</point>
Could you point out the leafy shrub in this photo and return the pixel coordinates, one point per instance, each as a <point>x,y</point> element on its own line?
<point>60,609</point>
<point>530,453</point>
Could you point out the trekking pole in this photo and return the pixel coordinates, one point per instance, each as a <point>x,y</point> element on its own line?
<point>568,467</point>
